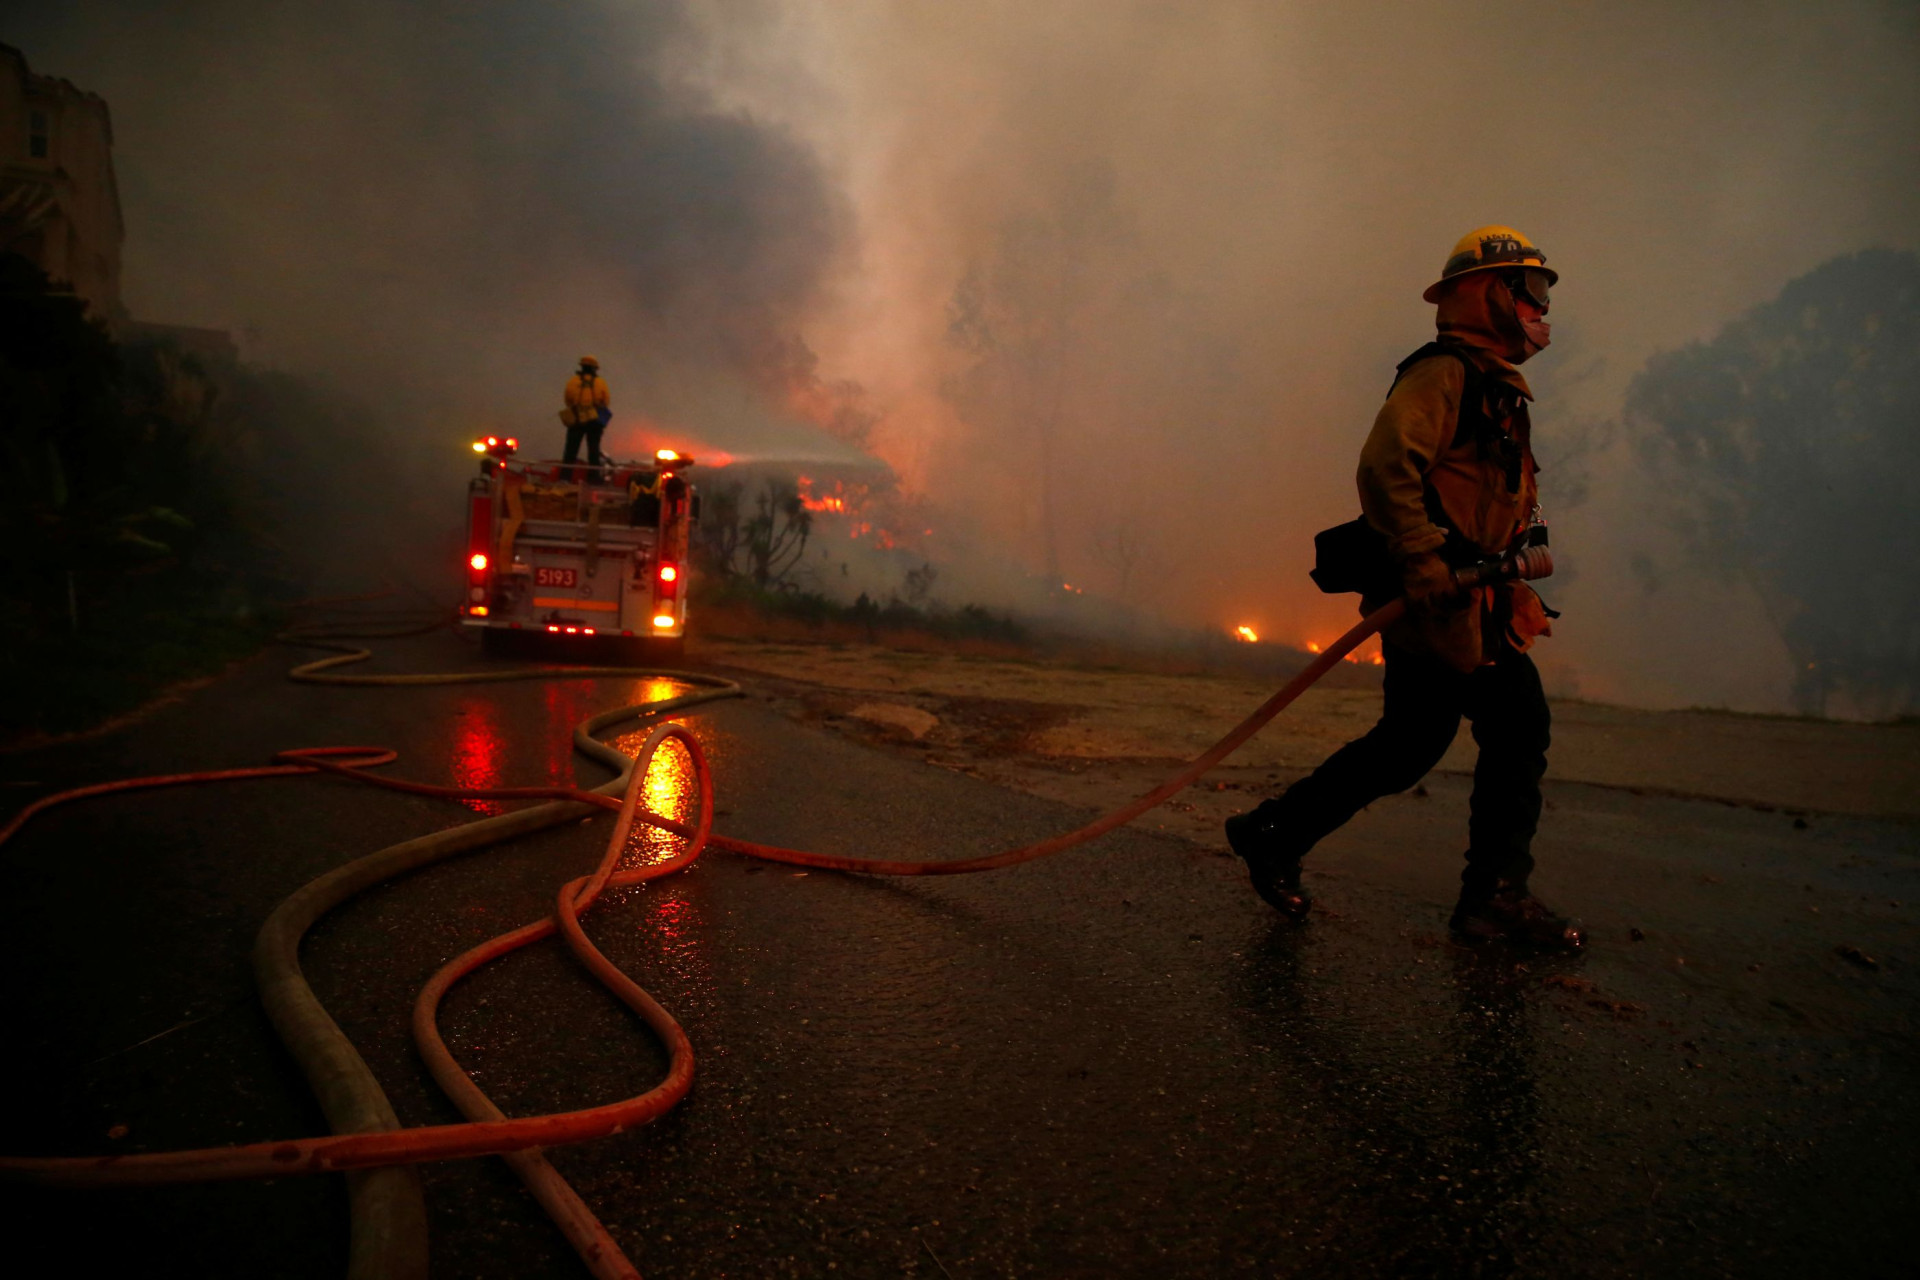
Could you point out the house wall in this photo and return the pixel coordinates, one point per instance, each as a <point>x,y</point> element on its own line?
<point>59,204</point>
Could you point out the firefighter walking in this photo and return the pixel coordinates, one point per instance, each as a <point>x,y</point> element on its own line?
<point>586,414</point>
<point>1446,478</point>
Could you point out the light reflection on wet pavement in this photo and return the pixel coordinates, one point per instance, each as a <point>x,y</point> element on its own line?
<point>1110,1063</point>
<point>478,744</point>
<point>668,789</point>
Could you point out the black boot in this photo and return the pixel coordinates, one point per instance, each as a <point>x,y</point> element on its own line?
<point>1273,866</point>
<point>1510,914</point>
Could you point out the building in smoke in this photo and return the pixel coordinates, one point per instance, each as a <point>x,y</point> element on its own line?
<point>59,205</point>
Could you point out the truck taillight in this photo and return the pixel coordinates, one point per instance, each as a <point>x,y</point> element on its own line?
<point>663,622</point>
<point>479,542</point>
<point>669,573</point>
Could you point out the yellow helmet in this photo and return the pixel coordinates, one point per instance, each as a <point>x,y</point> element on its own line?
<point>1487,249</point>
<point>588,362</point>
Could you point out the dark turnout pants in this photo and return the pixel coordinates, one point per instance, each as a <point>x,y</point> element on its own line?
<point>1424,702</point>
<point>575,430</point>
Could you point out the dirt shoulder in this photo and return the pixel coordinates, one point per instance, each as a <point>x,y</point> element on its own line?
<point>1084,735</point>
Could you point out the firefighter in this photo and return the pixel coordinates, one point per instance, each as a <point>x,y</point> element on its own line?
<point>586,414</point>
<point>1446,478</point>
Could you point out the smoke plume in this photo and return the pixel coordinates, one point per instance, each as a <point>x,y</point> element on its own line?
<point>441,205</point>
<point>1116,285</point>
<point>1142,271</point>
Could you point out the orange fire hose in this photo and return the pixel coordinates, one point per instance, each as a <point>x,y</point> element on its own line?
<point>368,1136</point>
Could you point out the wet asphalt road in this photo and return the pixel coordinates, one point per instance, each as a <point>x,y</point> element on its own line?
<point>1115,1062</point>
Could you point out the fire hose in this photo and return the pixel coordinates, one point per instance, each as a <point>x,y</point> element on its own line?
<point>369,1144</point>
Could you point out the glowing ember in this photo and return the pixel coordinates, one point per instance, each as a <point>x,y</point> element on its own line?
<point>1246,633</point>
<point>1312,647</point>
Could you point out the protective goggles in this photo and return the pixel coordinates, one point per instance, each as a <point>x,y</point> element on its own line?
<point>1531,282</point>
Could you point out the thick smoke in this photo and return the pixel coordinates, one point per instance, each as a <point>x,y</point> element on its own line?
<point>438,206</point>
<point>1789,452</point>
<point>1117,285</point>
<point>1148,267</point>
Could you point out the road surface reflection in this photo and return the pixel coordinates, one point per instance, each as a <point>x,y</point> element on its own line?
<point>478,746</point>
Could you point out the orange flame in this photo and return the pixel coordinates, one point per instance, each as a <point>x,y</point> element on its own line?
<point>839,499</point>
<point>868,515</point>
<point>1246,634</point>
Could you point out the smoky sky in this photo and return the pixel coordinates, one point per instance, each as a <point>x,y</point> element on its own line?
<point>1184,243</point>
<point>1207,228</point>
<point>443,204</point>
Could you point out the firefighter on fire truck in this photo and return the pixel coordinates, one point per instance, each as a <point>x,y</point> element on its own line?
<point>587,413</point>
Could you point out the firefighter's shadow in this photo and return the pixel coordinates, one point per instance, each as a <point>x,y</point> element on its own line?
<point>1422,1091</point>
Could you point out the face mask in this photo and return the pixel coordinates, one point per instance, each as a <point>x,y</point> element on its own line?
<point>1538,334</point>
<point>1534,334</point>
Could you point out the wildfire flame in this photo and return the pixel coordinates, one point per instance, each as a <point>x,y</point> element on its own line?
<point>822,501</point>
<point>1246,633</point>
<point>868,516</point>
<point>838,499</point>
<point>1374,659</point>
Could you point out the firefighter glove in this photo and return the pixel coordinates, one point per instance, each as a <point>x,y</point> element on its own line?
<point>1429,583</point>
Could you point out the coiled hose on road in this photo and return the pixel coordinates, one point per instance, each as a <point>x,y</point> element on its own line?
<point>368,1144</point>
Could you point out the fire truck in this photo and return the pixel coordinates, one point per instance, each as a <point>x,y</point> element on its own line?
<point>571,561</point>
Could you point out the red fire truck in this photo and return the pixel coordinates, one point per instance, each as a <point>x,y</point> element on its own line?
<point>576,561</point>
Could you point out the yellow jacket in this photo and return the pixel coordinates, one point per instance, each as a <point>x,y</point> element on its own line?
<point>586,396</point>
<point>1416,448</point>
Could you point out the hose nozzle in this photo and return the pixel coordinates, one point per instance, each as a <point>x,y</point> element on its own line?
<point>1527,562</point>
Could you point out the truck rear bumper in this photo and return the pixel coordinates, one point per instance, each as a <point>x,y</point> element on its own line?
<point>581,628</point>
<point>597,648</point>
